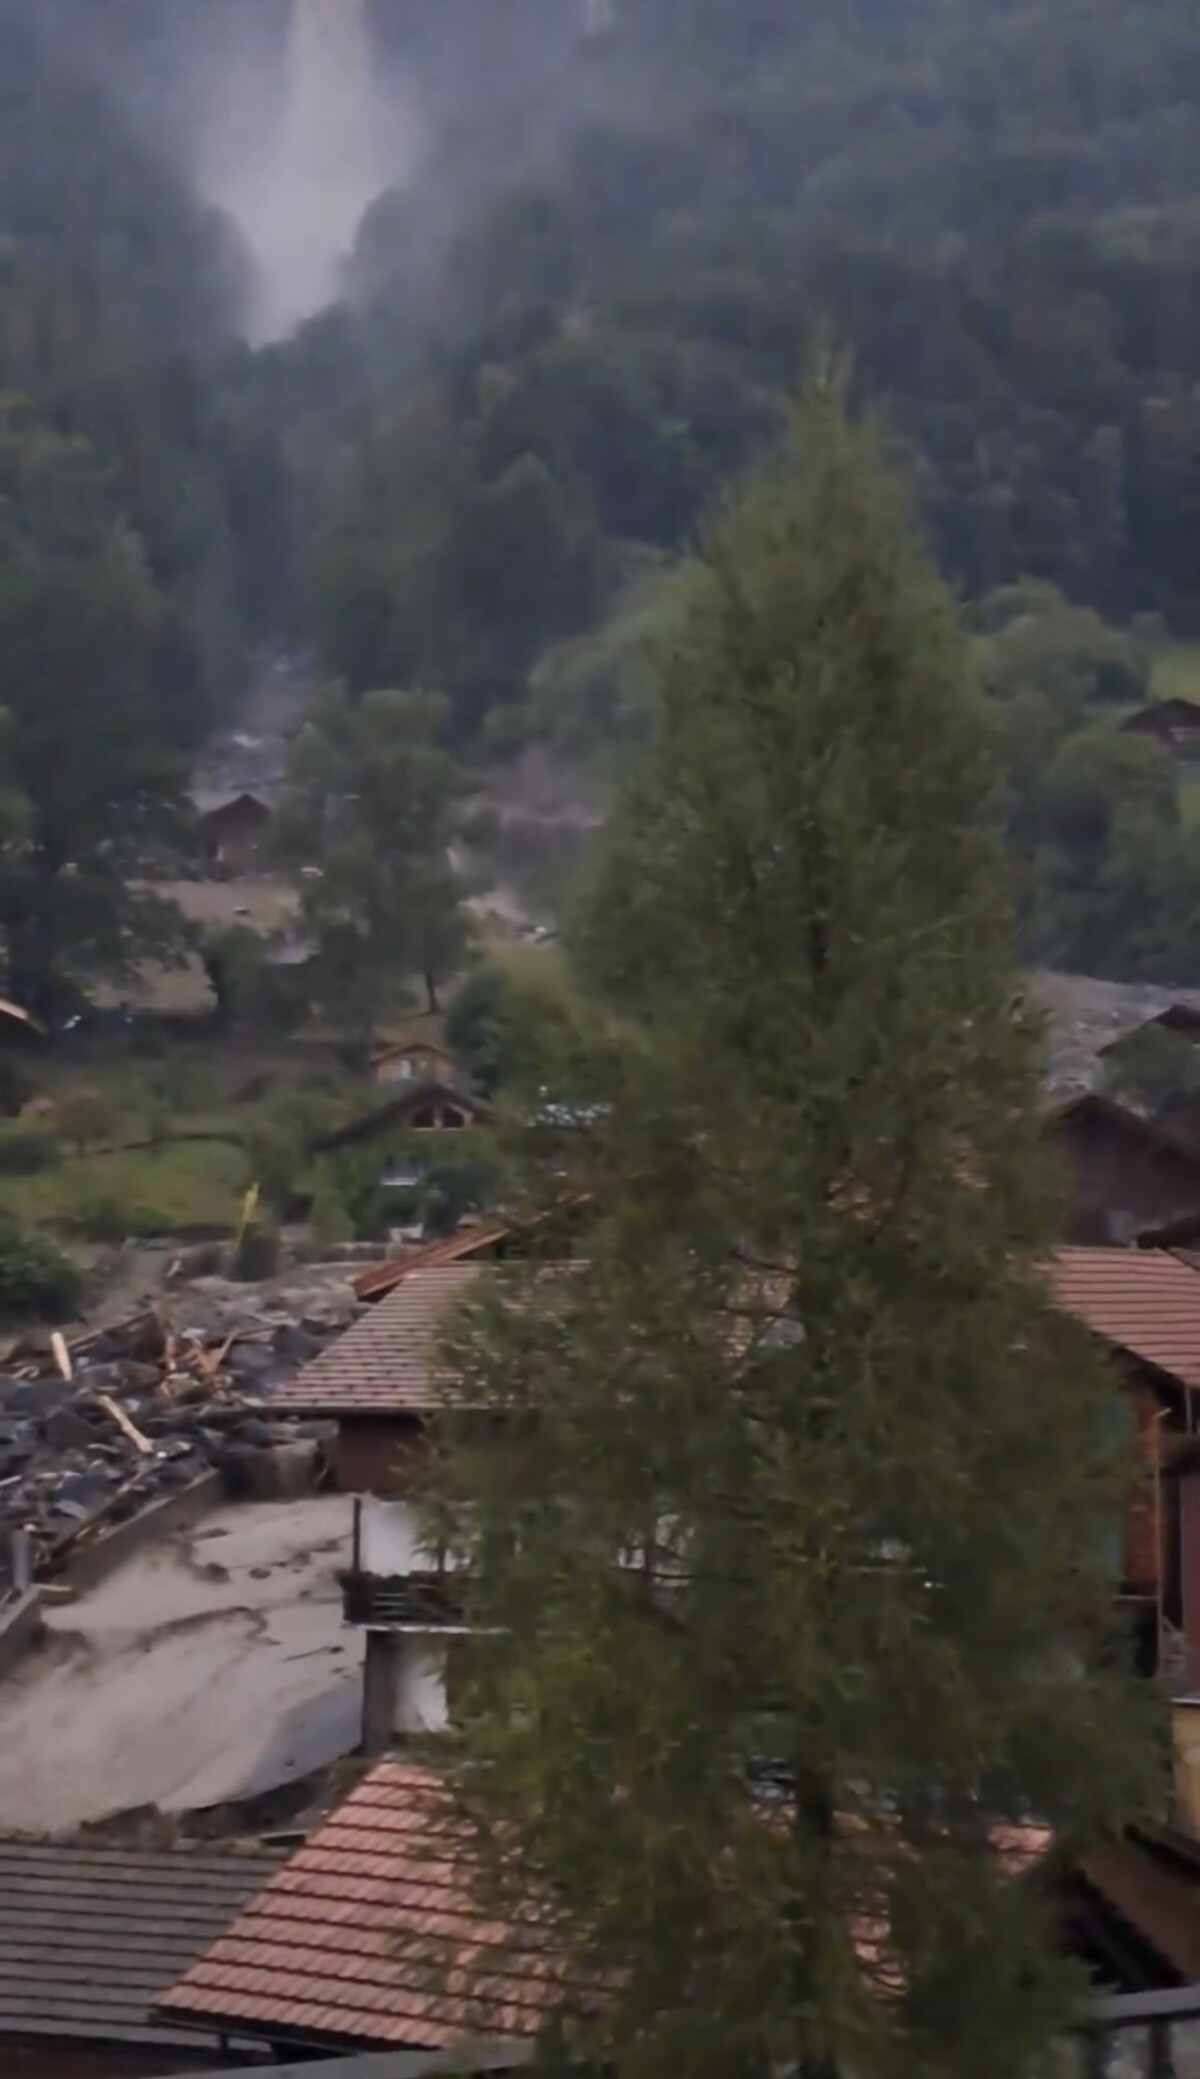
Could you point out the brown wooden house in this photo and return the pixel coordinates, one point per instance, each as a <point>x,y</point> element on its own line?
<point>233,829</point>
<point>1123,1175</point>
<point>415,1061</point>
<point>380,1383</point>
<point>426,1107</point>
<point>1144,1305</point>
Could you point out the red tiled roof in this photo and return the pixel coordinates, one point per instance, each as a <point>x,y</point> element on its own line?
<point>370,1935</point>
<point>384,1362</point>
<point>373,1935</point>
<point>1142,1301</point>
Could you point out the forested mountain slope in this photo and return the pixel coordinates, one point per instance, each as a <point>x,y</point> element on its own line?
<point>582,316</point>
<point>993,204</point>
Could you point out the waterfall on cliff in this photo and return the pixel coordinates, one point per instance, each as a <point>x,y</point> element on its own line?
<point>318,155</point>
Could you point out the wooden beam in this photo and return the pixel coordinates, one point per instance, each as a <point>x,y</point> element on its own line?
<point>127,1427</point>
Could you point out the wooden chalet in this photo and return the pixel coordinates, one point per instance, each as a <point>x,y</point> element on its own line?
<point>381,1383</point>
<point>1144,1306</point>
<point>416,1060</point>
<point>426,1107</point>
<point>233,828</point>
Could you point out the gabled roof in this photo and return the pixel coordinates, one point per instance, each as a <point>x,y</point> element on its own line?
<point>216,801</point>
<point>383,1364</point>
<point>88,1934</point>
<point>353,1941</point>
<point>1109,1111</point>
<point>1180,1016</point>
<point>1095,1105</point>
<point>1172,713</point>
<point>412,1043</point>
<point>1143,1302</point>
<point>409,1096</point>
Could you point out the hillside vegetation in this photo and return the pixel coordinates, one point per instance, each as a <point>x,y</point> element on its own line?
<point>477,474</point>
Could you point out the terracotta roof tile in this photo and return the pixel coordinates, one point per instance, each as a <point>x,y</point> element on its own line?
<point>370,1935</point>
<point>383,1363</point>
<point>1142,1301</point>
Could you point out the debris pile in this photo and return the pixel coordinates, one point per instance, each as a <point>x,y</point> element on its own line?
<point>94,1430</point>
<point>1084,1016</point>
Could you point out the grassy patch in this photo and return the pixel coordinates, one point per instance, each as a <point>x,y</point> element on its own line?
<point>173,1189</point>
<point>159,1094</point>
<point>540,967</point>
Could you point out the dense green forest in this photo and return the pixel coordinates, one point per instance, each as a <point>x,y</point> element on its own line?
<point>575,323</point>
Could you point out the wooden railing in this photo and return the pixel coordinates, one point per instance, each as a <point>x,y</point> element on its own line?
<point>413,1602</point>
<point>1143,2035</point>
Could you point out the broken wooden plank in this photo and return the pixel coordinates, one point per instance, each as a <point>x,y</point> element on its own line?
<point>62,1356</point>
<point>126,1425</point>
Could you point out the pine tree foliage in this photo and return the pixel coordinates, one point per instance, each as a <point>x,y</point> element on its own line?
<point>794,1554</point>
<point>374,801</point>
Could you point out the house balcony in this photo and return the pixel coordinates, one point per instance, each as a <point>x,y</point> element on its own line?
<point>401,1602</point>
<point>395,1581</point>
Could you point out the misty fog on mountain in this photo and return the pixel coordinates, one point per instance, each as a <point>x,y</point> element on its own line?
<point>415,341</point>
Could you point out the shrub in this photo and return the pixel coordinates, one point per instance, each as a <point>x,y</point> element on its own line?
<point>86,1119</point>
<point>275,1155</point>
<point>27,1146</point>
<point>256,1255</point>
<point>331,1219</point>
<point>16,1088</point>
<point>36,1278</point>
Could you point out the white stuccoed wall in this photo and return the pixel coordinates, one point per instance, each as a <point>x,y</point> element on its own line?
<point>421,1689</point>
<point>390,1542</point>
<point>389,1536</point>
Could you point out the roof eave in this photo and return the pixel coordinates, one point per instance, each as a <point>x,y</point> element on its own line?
<point>227,2024</point>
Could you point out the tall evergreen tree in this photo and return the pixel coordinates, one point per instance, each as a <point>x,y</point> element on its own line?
<point>89,748</point>
<point>792,1584</point>
<point>374,802</point>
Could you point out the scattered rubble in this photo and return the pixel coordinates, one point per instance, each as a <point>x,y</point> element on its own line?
<point>94,1430</point>
<point>1083,1016</point>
